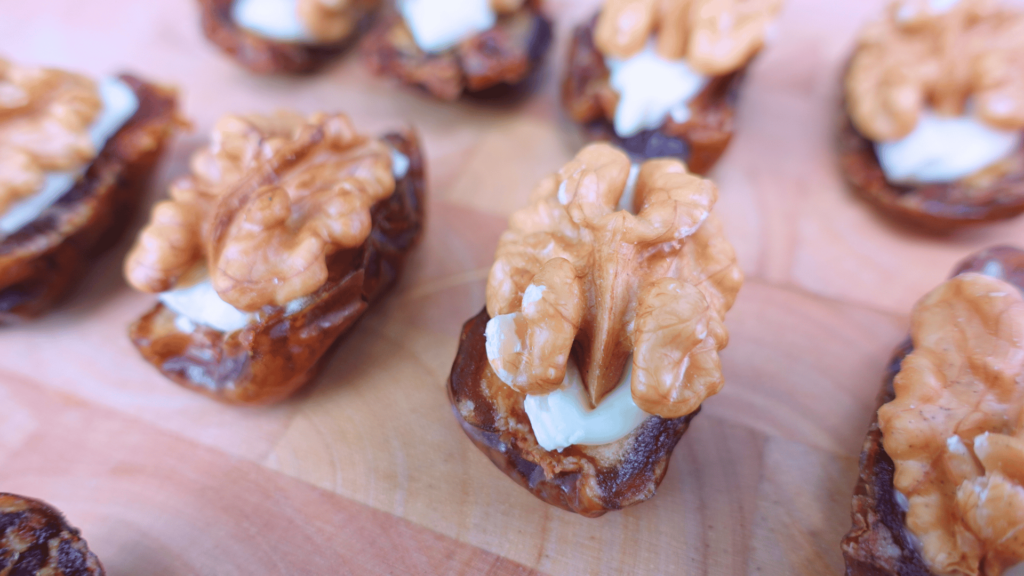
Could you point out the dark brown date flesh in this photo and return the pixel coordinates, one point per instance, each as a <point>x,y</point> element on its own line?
<point>263,55</point>
<point>42,262</point>
<point>270,360</point>
<point>576,479</point>
<point>935,208</point>
<point>36,539</point>
<point>494,64</point>
<point>699,142</point>
<point>878,543</point>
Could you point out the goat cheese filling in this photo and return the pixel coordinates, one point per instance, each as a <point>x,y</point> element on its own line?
<point>274,19</point>
<point>438,25</point>
<point>944,149</point>
<point>119,104</point>
<point>199,303</point>
<point>652,88</point>
<point>565,417</point>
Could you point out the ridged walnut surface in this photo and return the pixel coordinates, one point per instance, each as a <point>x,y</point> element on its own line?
<point>760,484</point>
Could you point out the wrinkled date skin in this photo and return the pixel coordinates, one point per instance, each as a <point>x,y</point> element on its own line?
<point>494,64</point>
<point>36,539</point>
<point>41,263</point>
<point>878,544</point>
<point>268,361</point>
<point>699,142</point>
<point>585,484</point>
<point>930,207</point>
<point>262,55</point>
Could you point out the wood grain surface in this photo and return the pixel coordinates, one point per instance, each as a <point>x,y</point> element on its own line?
<point>367,471</point>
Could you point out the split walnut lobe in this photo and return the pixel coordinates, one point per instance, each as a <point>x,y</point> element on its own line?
<point>268,361</point>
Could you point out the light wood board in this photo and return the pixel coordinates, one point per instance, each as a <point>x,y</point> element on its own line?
<point>367,472</point>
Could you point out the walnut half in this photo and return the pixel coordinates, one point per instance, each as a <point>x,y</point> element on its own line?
<point>45,116</point>
<point>715,36</point>
<point>267,202</point>
<point>916,57</point>
<point>955,430</point>
<point>576,275</point>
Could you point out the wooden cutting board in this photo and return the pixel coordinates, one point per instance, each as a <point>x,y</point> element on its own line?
<point>367,471</point>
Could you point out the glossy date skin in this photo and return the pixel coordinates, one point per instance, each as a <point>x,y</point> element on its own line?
<point>264,56</point>
<point>878,544</point>
<point>699,142</point>
<point>931,207</point>
<point>43,262</point>
<point>495,64</point>
<point>36,539</point>
<point>269,361</point>
<point>588,480</point>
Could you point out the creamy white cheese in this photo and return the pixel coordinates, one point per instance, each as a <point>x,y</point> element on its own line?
<point>908,11</point>
<point>119,104</point>
<point>273,19</point>
<point>650,89</point>
<point>955,445</point>
<point>200,303</point>
<point>438,25</point>
<point>993,268</point>
<point>399,164</point>
<point>564,417</point>
<point>944,149</point>
<point>501,339</point>
<point>902,501</point>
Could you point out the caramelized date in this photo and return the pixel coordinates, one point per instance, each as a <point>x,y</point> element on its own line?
<point>879,544</point>
<point>36,539</point>
<point>41,263</point>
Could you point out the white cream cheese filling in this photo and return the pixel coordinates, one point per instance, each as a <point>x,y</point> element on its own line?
<point>273,19</point>
<point>652,88</point>
<point>564,417</point>
<point>200,304</point>
<point>399,164</point>
<point>908,11</point>
<point>119,104</point>
<point>438,25</point>
<point>944,149</point>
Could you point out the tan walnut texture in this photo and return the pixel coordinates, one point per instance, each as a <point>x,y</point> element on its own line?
<point>330,21</point>
<point>715,36</point>
<point>576,275</point>
<point>266,203</point>
<point>44,126</point>
<point>966,58</point>
<point>955,430</point>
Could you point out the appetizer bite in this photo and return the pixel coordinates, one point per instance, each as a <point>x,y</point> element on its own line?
<point>286,230</point>
<point>36,540</point>
<point>600,339</point>
<point>75,155</point>
<point>485,48</point>
<point>930,131</point>
<point>661,78</point>
<point>941,487</point>
<point>284,36</point>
